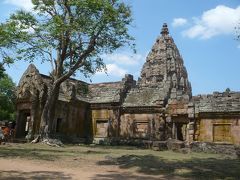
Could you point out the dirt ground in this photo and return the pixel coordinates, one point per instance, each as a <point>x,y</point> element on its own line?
<point>30,169</point>
<point>28,161</point>
<point>64,167</point>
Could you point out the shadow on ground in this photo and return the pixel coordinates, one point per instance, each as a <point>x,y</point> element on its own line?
<point>48,154</point>
<point>35,175</point>
<point>124,176</point>
<point>26,153</point>
<point>209,168</point>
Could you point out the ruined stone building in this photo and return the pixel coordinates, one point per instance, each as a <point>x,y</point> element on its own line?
<point>158,106</point>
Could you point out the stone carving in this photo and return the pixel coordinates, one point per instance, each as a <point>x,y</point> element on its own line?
<point>31,84</point>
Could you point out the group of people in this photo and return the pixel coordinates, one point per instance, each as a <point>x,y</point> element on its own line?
<point>7,132</point>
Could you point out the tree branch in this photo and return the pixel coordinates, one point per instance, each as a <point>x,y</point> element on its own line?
<point>79,63</point>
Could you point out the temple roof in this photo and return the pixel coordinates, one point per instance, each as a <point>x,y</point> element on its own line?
<point>144,97</point>
<point>218,102</point>
<point>105,92</point>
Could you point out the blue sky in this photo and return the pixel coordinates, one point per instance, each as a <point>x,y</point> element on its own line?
<point>203,31</point>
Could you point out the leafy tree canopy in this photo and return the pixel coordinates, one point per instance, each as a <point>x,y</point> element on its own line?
<point>7,98</point>
<point>70,34</point>
<point>1,71</point>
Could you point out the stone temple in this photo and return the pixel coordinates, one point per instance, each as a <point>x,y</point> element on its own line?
<point>157,107</point>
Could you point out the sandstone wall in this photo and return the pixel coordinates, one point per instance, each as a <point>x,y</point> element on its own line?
<point>105,122</point>
<point>71,119</point>
<point>219,130</point>
<point>143,126</point>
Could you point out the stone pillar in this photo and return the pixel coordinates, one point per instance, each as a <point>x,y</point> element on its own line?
<point>162,129</point>
<point>34,103</point>
<point>174,131</point>
<point>18,124</point>
<point>169,128</point>
<point>29,128</point>
<point>190,132</point>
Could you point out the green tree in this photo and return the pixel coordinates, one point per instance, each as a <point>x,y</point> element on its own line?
<point>7,98</point>
<point>5,43</point>
<point>1,70</point>
<point>70,34</point>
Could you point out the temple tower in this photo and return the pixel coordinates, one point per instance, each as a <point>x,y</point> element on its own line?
<point>164,67</point>
<point>163,86</point>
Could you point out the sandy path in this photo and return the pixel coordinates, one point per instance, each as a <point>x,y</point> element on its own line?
<point>18,169</point>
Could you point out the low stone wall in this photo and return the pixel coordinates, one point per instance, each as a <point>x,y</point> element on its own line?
<point>237,148</point>
<point>69,139</point>
<point>170,144</point>
<point>215,148</point>
<point>174,145</point>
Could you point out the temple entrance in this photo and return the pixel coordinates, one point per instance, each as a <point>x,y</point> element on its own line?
<point>181,130</point>
<point>23,123</point>
<point>58,125</point>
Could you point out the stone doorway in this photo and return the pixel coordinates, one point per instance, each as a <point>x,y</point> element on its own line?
<point>23,123</point>
<point>179,127</point>
<point>58,125</point>
<point>180,131</point>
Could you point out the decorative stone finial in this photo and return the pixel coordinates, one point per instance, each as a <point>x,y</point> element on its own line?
<point>164,30</point>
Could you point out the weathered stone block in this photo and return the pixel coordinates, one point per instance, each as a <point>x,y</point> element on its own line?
<point>159,145</point>
<point>174,144</point>
<point>237,149</point>
<point>147,144</point>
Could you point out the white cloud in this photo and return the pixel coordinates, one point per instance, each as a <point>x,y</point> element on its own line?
<point>24,4</point>
<point>124,58</point>
<point>114,70</point>
<point>220,20</point>
<point>179,22</point>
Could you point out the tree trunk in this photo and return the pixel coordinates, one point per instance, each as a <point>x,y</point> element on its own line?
<point>48,113</point>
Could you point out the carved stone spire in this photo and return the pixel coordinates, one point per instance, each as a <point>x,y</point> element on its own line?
<point>164,29</point>
<point>164,67</point>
